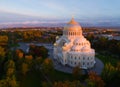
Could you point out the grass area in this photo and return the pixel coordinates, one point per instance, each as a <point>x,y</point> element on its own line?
<point>35,78</point>
<point>14,45</point>
<point>61,76</point>
<point>108,59</point>
<point>32,79</point>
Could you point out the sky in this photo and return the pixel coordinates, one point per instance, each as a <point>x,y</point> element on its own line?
<point>52,10</point>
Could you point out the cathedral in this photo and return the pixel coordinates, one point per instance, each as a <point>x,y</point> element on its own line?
<point>72,48</point>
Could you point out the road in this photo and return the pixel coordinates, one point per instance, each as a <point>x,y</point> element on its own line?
<point>97,68</point>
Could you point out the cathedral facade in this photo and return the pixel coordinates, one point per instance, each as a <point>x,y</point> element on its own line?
<point>72,48</point>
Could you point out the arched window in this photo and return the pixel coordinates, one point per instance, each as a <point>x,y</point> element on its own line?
<point>69,33</point>
<point>75,57</point>
<point>83,63</point>
<point>72,33</point>
<point>71,57</point>
<point>75,63</point>
<point>65,61</point>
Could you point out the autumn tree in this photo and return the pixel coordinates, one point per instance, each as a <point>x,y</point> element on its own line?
<point>24,68</point>
<point>77,72</point>
<point>38,62</point>
<point>45,84</point>
<point>2,54</point>
<point>10,68</point>
<point>75,83</point>
<point>94,80</point>
<point>38,51</point>
<point>47,66</point>
<point>19,53</point>
<point>3,39</point>
<point>9,82</point>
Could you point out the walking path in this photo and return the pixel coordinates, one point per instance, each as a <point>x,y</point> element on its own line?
<point>97,68</point>
<point>67,69</point>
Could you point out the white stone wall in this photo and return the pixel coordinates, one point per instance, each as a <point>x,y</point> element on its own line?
<point>73,49</point>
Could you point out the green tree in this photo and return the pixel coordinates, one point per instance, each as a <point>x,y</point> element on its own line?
<point>108,72</point>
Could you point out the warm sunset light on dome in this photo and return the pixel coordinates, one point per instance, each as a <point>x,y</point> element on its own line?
<point>73,48</point>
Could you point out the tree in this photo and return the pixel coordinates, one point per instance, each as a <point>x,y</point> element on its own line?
<point>10,64</point>
<point>12,82</point>
<point>38,51</point>
<point>77,72</point>
<point>9,82</point>
<point>68,84</point>
<point>2,54</point>
<point>108,72</point>
<point>37,62</point>
<point>45,84</point>
<point>10,72</point>
<point>19,53</point>
<point>94,80</point>
<point>10,68</point>
<point>47,66</point>
<point>90,37</point>
<point>28,59</point>
<point>24,68</point>
<point>3,39</point>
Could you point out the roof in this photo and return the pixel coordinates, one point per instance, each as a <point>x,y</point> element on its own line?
<point>72,21</point>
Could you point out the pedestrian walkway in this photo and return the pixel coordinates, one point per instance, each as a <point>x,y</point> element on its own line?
<point>67,69</point>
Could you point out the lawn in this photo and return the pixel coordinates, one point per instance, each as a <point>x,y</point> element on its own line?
<point>32,79</point>
<point>61,76</point>
<point>108,59</point>
<point>35,78</point>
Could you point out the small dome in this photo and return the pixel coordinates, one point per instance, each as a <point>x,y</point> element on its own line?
<point>76,48</point>
<point>80,40</point>
<point>85,49</point>
<point>73,26</point>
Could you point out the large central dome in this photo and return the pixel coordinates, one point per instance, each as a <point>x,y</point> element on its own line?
<point>73,26</point>
<point>72,29</point>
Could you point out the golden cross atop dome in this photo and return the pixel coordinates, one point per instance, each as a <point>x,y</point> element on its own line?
<point>72,21</point>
